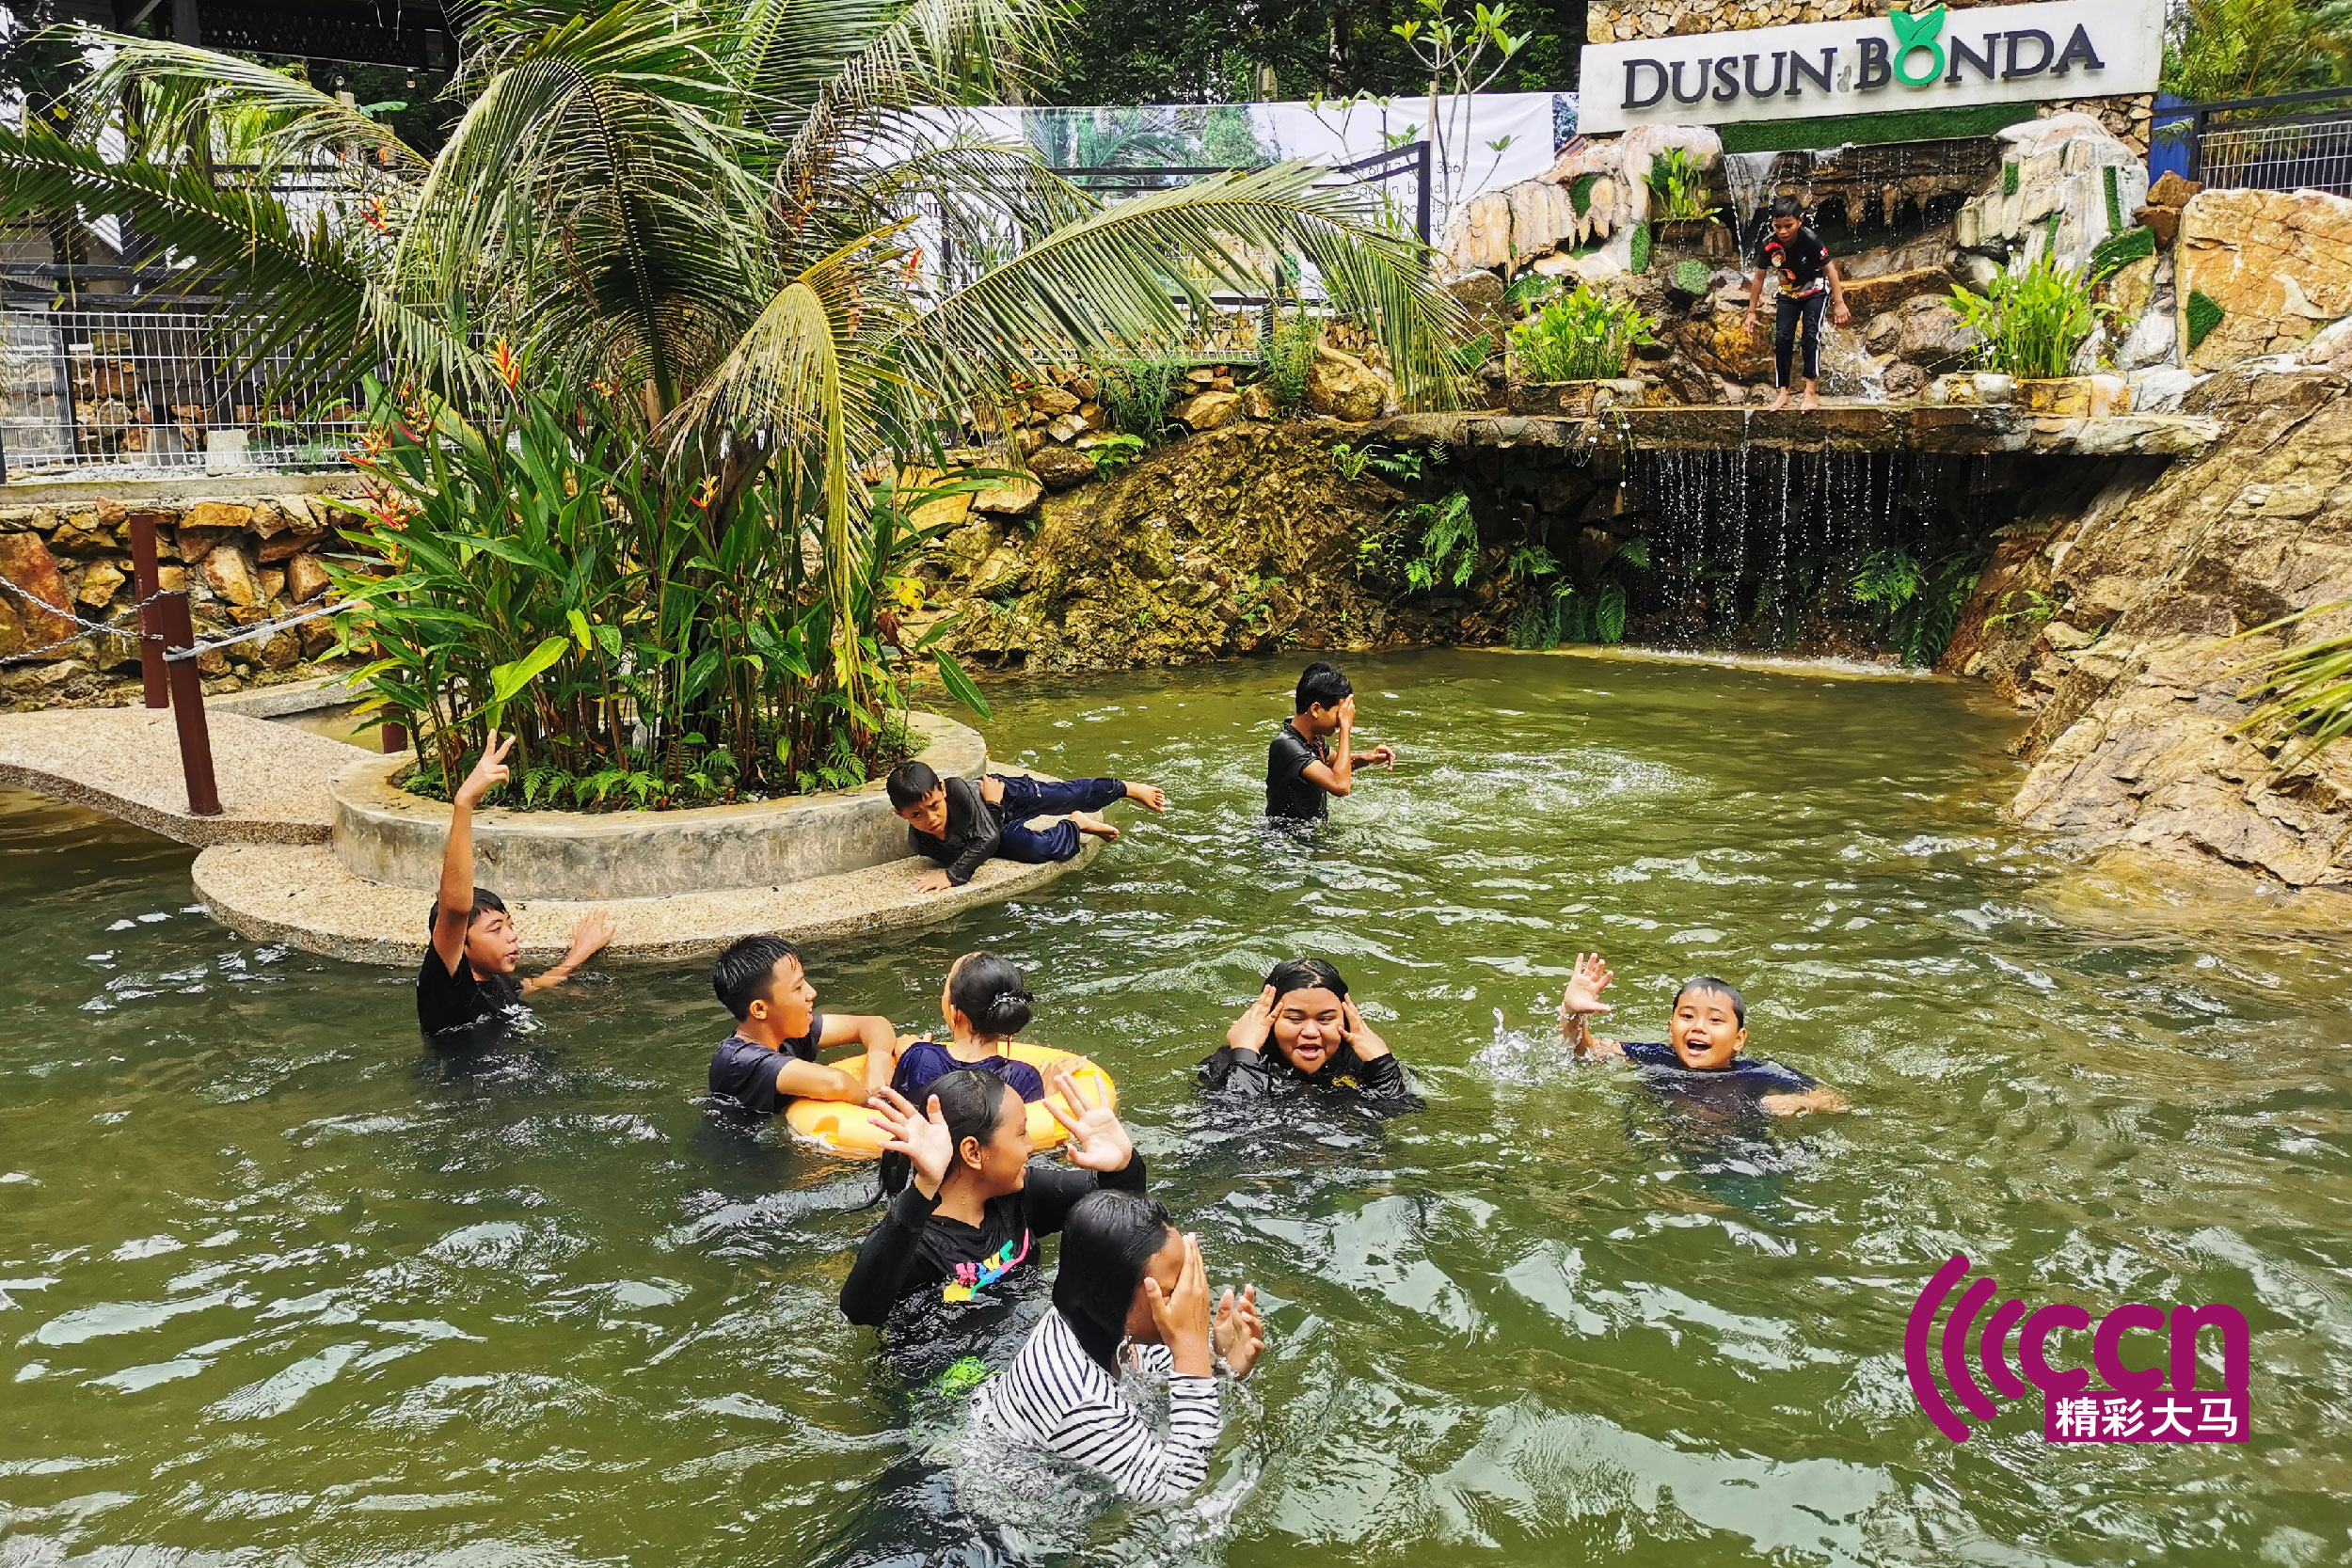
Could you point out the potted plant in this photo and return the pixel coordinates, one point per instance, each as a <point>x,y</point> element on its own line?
<point>1679,210</point>
<point>1568,357</point>
<point>2031,326</point>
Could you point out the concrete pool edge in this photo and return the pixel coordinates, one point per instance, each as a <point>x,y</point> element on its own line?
<point>299,895</point>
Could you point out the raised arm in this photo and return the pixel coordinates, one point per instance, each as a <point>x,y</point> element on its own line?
<point>1580,1003</point>
<point>589,935</point>
<point>453,910</point>
<point>885,1266</point>
<point>1337,776</point>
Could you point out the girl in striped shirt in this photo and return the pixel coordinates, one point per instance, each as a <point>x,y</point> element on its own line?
<point>1129,1282</point>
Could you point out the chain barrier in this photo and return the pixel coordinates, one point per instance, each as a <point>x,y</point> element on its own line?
<point>84,626</point>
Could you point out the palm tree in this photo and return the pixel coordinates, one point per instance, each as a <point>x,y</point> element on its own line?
<point>716,212</point>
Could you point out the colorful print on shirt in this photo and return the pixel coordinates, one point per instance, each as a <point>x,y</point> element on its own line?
<point>972,1279</point>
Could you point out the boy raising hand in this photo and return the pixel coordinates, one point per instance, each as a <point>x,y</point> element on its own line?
<point>1705,1036</point>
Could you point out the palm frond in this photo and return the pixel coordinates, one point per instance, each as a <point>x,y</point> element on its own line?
<point>2308,687</point>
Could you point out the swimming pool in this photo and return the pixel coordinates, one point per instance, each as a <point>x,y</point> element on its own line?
<point>276,1285</point>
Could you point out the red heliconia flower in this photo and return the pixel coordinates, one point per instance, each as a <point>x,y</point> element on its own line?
<point>706,492</point>
<point>504,362</point>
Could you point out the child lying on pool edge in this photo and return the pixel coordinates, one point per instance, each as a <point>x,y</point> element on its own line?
<point>1706,1033</point>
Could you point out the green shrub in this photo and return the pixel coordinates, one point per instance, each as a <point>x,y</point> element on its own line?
<point>2031,322</point>
<point>1691,275</point>
<point>1678,186</point>
<point>1114,452</point>
<point>1290,353</point>
<point>1639,260</point>
<point>2117,251</point>
<point>1136,393</point>
<point>1449,541</point>
<point>2204,314</point>
<point>1580,335</point>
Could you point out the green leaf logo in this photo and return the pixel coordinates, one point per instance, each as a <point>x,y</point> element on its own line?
<point>1914,31</point>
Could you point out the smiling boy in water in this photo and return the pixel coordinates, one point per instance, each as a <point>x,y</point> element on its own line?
<point>1705,1036</point>
<point>771,1057</point>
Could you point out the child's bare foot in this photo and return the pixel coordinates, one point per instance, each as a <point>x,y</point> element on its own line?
<point>1148,796</point>
<point>1086,822</point>
<point>1778,404</point>
<point>1809,403</point>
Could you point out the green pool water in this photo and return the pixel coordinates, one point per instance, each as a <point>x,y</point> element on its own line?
<point>277,1286</point>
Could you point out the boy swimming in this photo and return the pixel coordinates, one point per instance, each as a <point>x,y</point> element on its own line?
<point>771,1057</point>
<point>963,825</point>
<point>1304,768</point>
<point>466,993</point>
<point>1705,1036</point>
<point>1808,280</point>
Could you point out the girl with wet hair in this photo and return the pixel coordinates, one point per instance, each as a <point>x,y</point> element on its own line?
<point>985,1003</point>
<point>969,1210</point>
<point>1304,1032</point>
<point>1131,1291</point>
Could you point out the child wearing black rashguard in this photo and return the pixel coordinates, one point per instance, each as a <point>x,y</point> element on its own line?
<point>1701,1058</point>
<point>1809,281</point>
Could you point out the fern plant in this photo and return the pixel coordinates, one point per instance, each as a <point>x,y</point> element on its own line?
<point>1449,541</point>
<point>1915,605</point>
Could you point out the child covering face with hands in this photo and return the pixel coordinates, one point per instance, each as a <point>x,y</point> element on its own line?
<point>1132,1292</point>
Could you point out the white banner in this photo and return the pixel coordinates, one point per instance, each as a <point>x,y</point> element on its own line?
<point>1933,59</point>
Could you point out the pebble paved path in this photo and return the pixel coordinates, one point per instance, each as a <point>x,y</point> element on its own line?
<point>125,761</point>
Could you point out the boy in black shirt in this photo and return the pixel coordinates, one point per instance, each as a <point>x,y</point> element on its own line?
<point>1808,280</point>
<point>1303,770</point>
<point>771,1057</point>
<point>1701,1058</point>
<point>961,825</point>
<point>466,993</point>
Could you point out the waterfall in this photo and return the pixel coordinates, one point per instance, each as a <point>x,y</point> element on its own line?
<point>1748,178</point>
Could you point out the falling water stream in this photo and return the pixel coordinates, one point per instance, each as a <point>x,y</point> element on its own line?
<point>277,1286</point>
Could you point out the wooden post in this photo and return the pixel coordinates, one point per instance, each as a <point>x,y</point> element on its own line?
<point>395,738</point>
<point>187,704</point>
<point>147,577</point>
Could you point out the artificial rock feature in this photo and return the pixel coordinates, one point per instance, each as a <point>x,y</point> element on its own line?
<point>2278,263</point>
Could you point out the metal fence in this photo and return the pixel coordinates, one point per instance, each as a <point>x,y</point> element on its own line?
<point>147,388</point>
<point>2283,142</point>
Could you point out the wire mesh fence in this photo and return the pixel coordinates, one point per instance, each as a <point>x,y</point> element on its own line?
<point>149,389</point>
<point>2311,155</point>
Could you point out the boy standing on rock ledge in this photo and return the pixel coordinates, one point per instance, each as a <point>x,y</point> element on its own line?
<point>1808,282</point>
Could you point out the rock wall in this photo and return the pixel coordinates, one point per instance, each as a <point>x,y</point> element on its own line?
<point>2278,263</point>
<point>242,562</point>
<point>1243,539</point>
<point>2109,627</point>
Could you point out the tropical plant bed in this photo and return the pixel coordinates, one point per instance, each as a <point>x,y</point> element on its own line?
<point>1575,400</point>
<point>384,833</point>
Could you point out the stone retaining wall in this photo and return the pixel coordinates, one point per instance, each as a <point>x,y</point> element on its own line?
<point>243,561</point>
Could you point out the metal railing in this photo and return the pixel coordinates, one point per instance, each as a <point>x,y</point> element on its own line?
<point>2269,144</point>
<point>147,388</point>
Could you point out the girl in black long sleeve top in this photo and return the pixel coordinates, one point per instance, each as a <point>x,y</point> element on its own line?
<point>973,1211</point>
<point>1304,1032</point>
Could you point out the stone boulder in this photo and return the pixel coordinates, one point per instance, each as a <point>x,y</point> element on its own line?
<point>1060,467</point>
<point>2278,263</point>
<point>1925,330</point>
<point>1720,342</point>
<point>1208,410</point>
<point>1870,296</point>
<point>230,575</point>
<point>36,589</point>
<point>306,578</point>
<point>1344,388</point>
<point>1014,497</point>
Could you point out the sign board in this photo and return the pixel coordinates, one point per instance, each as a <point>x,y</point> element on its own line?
<point>1931,59</point>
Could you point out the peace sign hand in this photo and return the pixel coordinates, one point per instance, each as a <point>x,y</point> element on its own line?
<point>923,1137</point>
<point>1097,1141</point>
<point>1249,1031</point>
<point>487,775</point>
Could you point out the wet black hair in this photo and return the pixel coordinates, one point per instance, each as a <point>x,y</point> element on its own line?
<point>1107,1241</point>
<point>1320,685</point>
<point>1787,207</point>
<point>1708,985</point>
<point>987,990</point>
<point>971,1102</point>
<point>1301,974</point>
<point>483,902</point>
<point>745,972</point>
<point>909,783</point>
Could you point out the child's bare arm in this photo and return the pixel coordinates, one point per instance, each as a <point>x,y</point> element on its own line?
<point>452,912</point>
<point>1820,1096</point>
<point>1580,1003</point>
<point>878,1035</point>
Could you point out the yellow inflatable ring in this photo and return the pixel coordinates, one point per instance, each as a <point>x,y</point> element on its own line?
<point>840,1127</point>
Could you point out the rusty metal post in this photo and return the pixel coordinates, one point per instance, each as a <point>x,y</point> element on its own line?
<point>395,738</point>
<point>146,577</point>
<point>187,704</point>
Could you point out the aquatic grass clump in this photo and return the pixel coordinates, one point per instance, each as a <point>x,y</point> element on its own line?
<point>1580,336</point>
<point>2307,689</point>
<point>1137,394</point>
<point>2032,323</point>
<point>1289,354</point>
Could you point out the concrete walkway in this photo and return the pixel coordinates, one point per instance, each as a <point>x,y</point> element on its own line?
<point>304,897</point>
<point>125,761</point>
